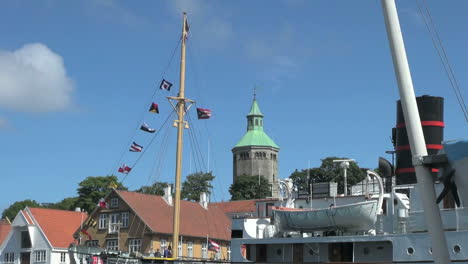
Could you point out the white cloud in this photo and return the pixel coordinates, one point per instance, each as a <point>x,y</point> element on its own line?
<point>33,78</point>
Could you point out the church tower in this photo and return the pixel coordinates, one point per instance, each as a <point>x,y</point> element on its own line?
<point>256,153</point>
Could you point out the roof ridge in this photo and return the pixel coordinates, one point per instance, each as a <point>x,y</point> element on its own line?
<point>53,209</point>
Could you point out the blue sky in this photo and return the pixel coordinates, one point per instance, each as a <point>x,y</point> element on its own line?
<point>77,76</point>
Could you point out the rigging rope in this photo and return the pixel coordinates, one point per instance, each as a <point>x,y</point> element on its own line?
<point>160,161</point>
<point>157,165</point>
<point>112,169</point>
<point>438,45</point>
<point>196,144</point>
<point>199,82</point>
<point>147,146</point>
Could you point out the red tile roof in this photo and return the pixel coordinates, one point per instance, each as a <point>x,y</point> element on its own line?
<point>245,206</point>
<point>58,225</point>
<point>28,218</point>
<point>5,228</point>
<point>194,219</point>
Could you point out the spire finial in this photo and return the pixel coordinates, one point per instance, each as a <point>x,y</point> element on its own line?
<point>255,92</point>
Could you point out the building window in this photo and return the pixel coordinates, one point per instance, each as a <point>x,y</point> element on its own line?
<point>256,122</point>
<point>244,155</point>
<point>25,239</point>
<point>114,202</point>
<point>134,245</point>
<point>163,246</point>
<point>179,248</point>
<point>190,249</point>
<point>113,223</point>
<point>92,243</point>
<point>63,257</point>
<point>204,250</point>
<point>102,221</point>
<point>40,256</point>
<point>9,257</point>
<point>112,244</point>
<point>125,220</point>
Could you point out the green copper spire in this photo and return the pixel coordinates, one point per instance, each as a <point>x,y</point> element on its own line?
<point>255,110</point>
<point>255,135</point>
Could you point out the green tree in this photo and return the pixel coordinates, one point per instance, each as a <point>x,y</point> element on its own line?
<point>329,171</point>
<point>157,188</point>
<point>66,204</point>
<point>195,184</point>
<point>13,210</point>
<point>247,187</point>
<point>92,189</point>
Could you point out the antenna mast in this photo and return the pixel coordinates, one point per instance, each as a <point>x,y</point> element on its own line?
<point>345,165</point>
<point>181,109</point>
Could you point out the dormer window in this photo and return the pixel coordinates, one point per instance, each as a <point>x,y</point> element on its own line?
<point>114,203</point>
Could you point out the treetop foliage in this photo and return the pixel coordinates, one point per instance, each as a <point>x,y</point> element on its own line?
<point>13,210</point>
<point>329,171</point>
<point>247,187</point>
<point>195,184</point>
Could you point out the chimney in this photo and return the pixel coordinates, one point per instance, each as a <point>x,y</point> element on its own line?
<point>168,195</point>
<point>204,200</point>
<point>77,209</point>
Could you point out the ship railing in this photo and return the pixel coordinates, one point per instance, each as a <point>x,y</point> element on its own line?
<point>455,219</point>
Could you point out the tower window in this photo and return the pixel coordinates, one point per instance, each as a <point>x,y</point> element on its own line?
<point>261,122</point>
<point>256,122</point>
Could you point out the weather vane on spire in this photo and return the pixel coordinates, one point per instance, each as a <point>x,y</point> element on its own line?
<point>255,92</point>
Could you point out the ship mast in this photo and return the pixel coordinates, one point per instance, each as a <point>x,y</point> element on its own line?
<point>415,133</point>
<point>181,109</point>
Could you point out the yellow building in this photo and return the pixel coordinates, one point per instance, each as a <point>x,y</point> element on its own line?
<point>136,222</point>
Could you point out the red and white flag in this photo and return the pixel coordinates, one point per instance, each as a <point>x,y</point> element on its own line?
<point>124,169</point>
<point>135,147</point>
<point>102,203</point>
<point>203,113</point>
<point>213,246</point>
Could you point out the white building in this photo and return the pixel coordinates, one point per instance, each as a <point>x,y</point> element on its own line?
<point>40,235</point>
